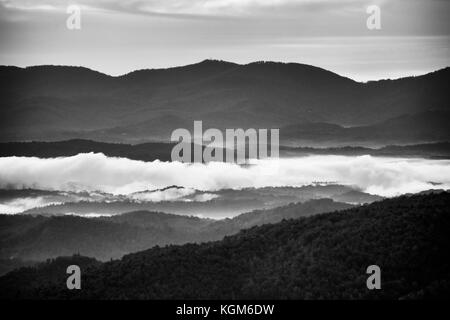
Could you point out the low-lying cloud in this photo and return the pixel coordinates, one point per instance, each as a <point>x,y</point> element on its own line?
<point>172,194</point>
<point>90,172</point>
<point>23,204</point>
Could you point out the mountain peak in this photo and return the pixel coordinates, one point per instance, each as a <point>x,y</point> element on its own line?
<point>215,62</point>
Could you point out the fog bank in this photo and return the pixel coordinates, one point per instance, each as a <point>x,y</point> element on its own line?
<point>382,176</point>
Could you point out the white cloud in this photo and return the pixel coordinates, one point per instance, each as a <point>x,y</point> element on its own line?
<point>383,176</point>
<point>89,215</point>
<point>171,194</point>
<point>22,204</point>
<point>204,197</point>
<point>191,7</point>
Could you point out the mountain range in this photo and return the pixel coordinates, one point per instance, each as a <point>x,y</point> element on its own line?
<point>61,102</point>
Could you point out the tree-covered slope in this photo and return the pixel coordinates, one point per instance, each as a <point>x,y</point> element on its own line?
<point>320,257</point>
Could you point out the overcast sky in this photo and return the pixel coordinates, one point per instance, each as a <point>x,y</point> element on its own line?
<point>118,36</point>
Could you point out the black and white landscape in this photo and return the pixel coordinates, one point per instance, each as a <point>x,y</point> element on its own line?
<point>87,176</point>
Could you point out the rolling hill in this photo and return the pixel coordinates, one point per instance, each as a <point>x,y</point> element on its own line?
<point>37,238</point>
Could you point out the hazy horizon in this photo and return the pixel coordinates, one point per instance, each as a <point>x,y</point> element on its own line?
<point>117,37</point>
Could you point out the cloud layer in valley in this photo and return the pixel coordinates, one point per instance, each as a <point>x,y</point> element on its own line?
<point>90,172</point>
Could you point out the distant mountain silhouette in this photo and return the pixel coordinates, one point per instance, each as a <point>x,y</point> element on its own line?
<point>145,151</point>
<point>422,127</point>
<point>320,257</point>
<point>59,102</point>
<point>157,150</point>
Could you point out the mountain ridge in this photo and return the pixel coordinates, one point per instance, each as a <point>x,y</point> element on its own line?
<point>217,63</point>
<point>65,102</point>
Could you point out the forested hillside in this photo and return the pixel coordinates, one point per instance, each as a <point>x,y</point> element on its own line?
<point>320,257</point>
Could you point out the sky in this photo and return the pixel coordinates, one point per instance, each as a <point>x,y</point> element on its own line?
<point>119,36</point>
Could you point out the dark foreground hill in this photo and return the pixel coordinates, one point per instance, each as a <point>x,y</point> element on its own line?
<point>320,257</point>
